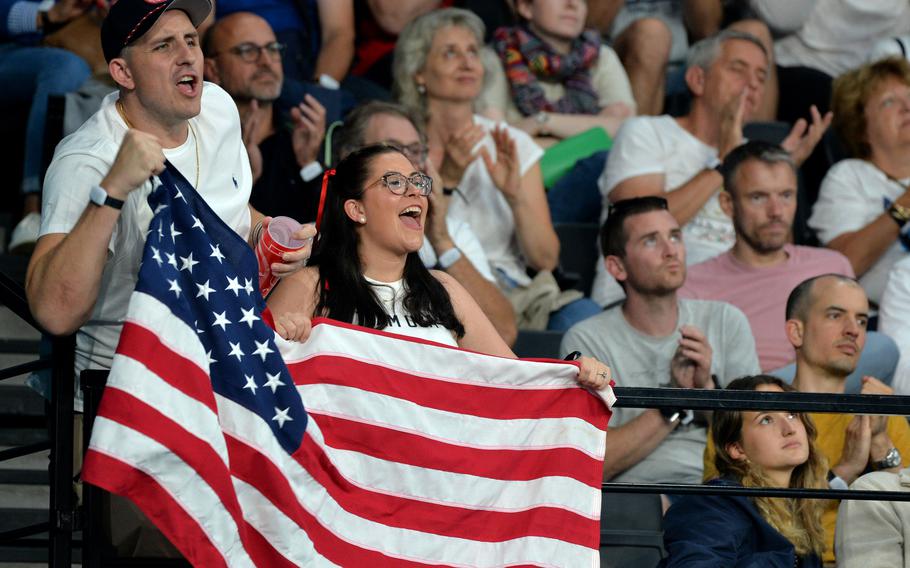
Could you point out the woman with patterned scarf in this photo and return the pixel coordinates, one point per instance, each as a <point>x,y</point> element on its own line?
<point>553,78</point>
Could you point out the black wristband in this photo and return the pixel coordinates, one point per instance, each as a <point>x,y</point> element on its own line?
<point>448,190</point>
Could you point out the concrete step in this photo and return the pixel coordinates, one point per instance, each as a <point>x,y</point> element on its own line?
<point>25,497</point>
<point>19,400</point>
<point>12,326</point>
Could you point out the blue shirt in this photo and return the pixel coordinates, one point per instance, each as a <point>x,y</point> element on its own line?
<point>724,531</point>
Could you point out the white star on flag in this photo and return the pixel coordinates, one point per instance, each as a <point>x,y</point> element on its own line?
<point>188,263</point>
<point>236,351</point>
<point>216,253</point>
<point>204,290</point>
<point>262,349</point>
<point>234,285</point>
<point>175,288</point>
<point>273,382</point>
<point>221,320</point>
<point>248,317</point>
<point>281,416</point>
<point>156,255</point>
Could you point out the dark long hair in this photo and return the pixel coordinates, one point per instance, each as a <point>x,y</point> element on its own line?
<point>344,293</point>
<point>798,520</point>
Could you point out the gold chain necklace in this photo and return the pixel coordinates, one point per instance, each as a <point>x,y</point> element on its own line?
<point>119,105</point>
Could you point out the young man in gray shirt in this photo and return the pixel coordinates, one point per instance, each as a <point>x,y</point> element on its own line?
<point>655,339</point>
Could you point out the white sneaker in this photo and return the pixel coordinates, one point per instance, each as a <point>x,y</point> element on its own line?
<point>25,234</point>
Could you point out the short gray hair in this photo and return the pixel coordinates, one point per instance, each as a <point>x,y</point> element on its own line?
<point>353,132</point>
<point>705,52</point>
<point>414,43</point>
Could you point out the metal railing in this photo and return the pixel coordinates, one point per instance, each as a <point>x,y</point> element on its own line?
<point>61,512</point>
<point>698,399</point>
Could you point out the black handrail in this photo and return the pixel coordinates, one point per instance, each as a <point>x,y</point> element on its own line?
<point>701,399</point>
<point>61,512</point>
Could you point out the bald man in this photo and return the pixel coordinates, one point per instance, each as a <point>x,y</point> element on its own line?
<point>826,324</point>
<point>243,56</point>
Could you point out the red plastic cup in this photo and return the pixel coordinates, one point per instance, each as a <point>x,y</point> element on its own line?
<point>274,241</point>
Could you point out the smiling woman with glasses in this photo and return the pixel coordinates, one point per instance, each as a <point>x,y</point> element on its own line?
<point>398,183</point>
<point>365,268</point>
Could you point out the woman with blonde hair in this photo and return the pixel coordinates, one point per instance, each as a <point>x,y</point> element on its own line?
<point>490,171</point>
<point>754,449</point>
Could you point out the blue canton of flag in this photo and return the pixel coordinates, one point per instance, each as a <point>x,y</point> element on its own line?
<point>206,274</point>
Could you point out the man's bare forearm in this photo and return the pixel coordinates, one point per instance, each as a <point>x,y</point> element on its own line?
<point>64,275</point>
<point>490,299</point>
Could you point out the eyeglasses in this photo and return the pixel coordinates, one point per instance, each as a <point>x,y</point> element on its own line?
<point>250,52</point>
<point>397,183</point>
<point>416,152</point>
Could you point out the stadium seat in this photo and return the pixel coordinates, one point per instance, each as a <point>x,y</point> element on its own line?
<point>538,344</point>
<point>630,530</point>
<point>578,254</point>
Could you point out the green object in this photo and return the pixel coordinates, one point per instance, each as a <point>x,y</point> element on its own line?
<point>559,158</point>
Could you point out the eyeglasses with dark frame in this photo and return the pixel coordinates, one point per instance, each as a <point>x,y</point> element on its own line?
<point>250,52</point>
<point>416,152</point>
<point>397,183</point>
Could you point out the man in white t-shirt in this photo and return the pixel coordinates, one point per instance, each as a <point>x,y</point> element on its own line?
<point>86,261</point>
<point>450,244</point>
<point>678,157</point>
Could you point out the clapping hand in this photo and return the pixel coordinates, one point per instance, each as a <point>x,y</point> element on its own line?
<point>799,142</point>
<point>871,385</point>
<point>731,124</point>
<point>309,129</point>
<point>249,124</point>
<point>506,170</point>
<point>691,364</point>
<point>437,230</point>
<point>459,153</point>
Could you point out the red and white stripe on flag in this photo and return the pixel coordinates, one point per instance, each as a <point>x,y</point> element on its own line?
<point>414,453</point>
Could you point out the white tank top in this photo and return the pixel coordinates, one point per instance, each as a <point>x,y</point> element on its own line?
<point>391,296</point>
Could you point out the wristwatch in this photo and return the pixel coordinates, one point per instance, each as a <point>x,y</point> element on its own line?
<point>671,415</point>
<point>899,213</point>
<point>310,171</point>
<point>892,459</point>
<point>99,196</point>
<point>542,118</point>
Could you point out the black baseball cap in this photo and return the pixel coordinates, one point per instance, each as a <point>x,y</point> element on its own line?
<point>128,20</point>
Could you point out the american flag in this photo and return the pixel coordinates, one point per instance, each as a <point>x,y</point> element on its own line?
<point>408,452</point>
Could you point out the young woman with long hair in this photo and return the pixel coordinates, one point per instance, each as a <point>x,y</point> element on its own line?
<point>771,449</point>
<point>365,268</point>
